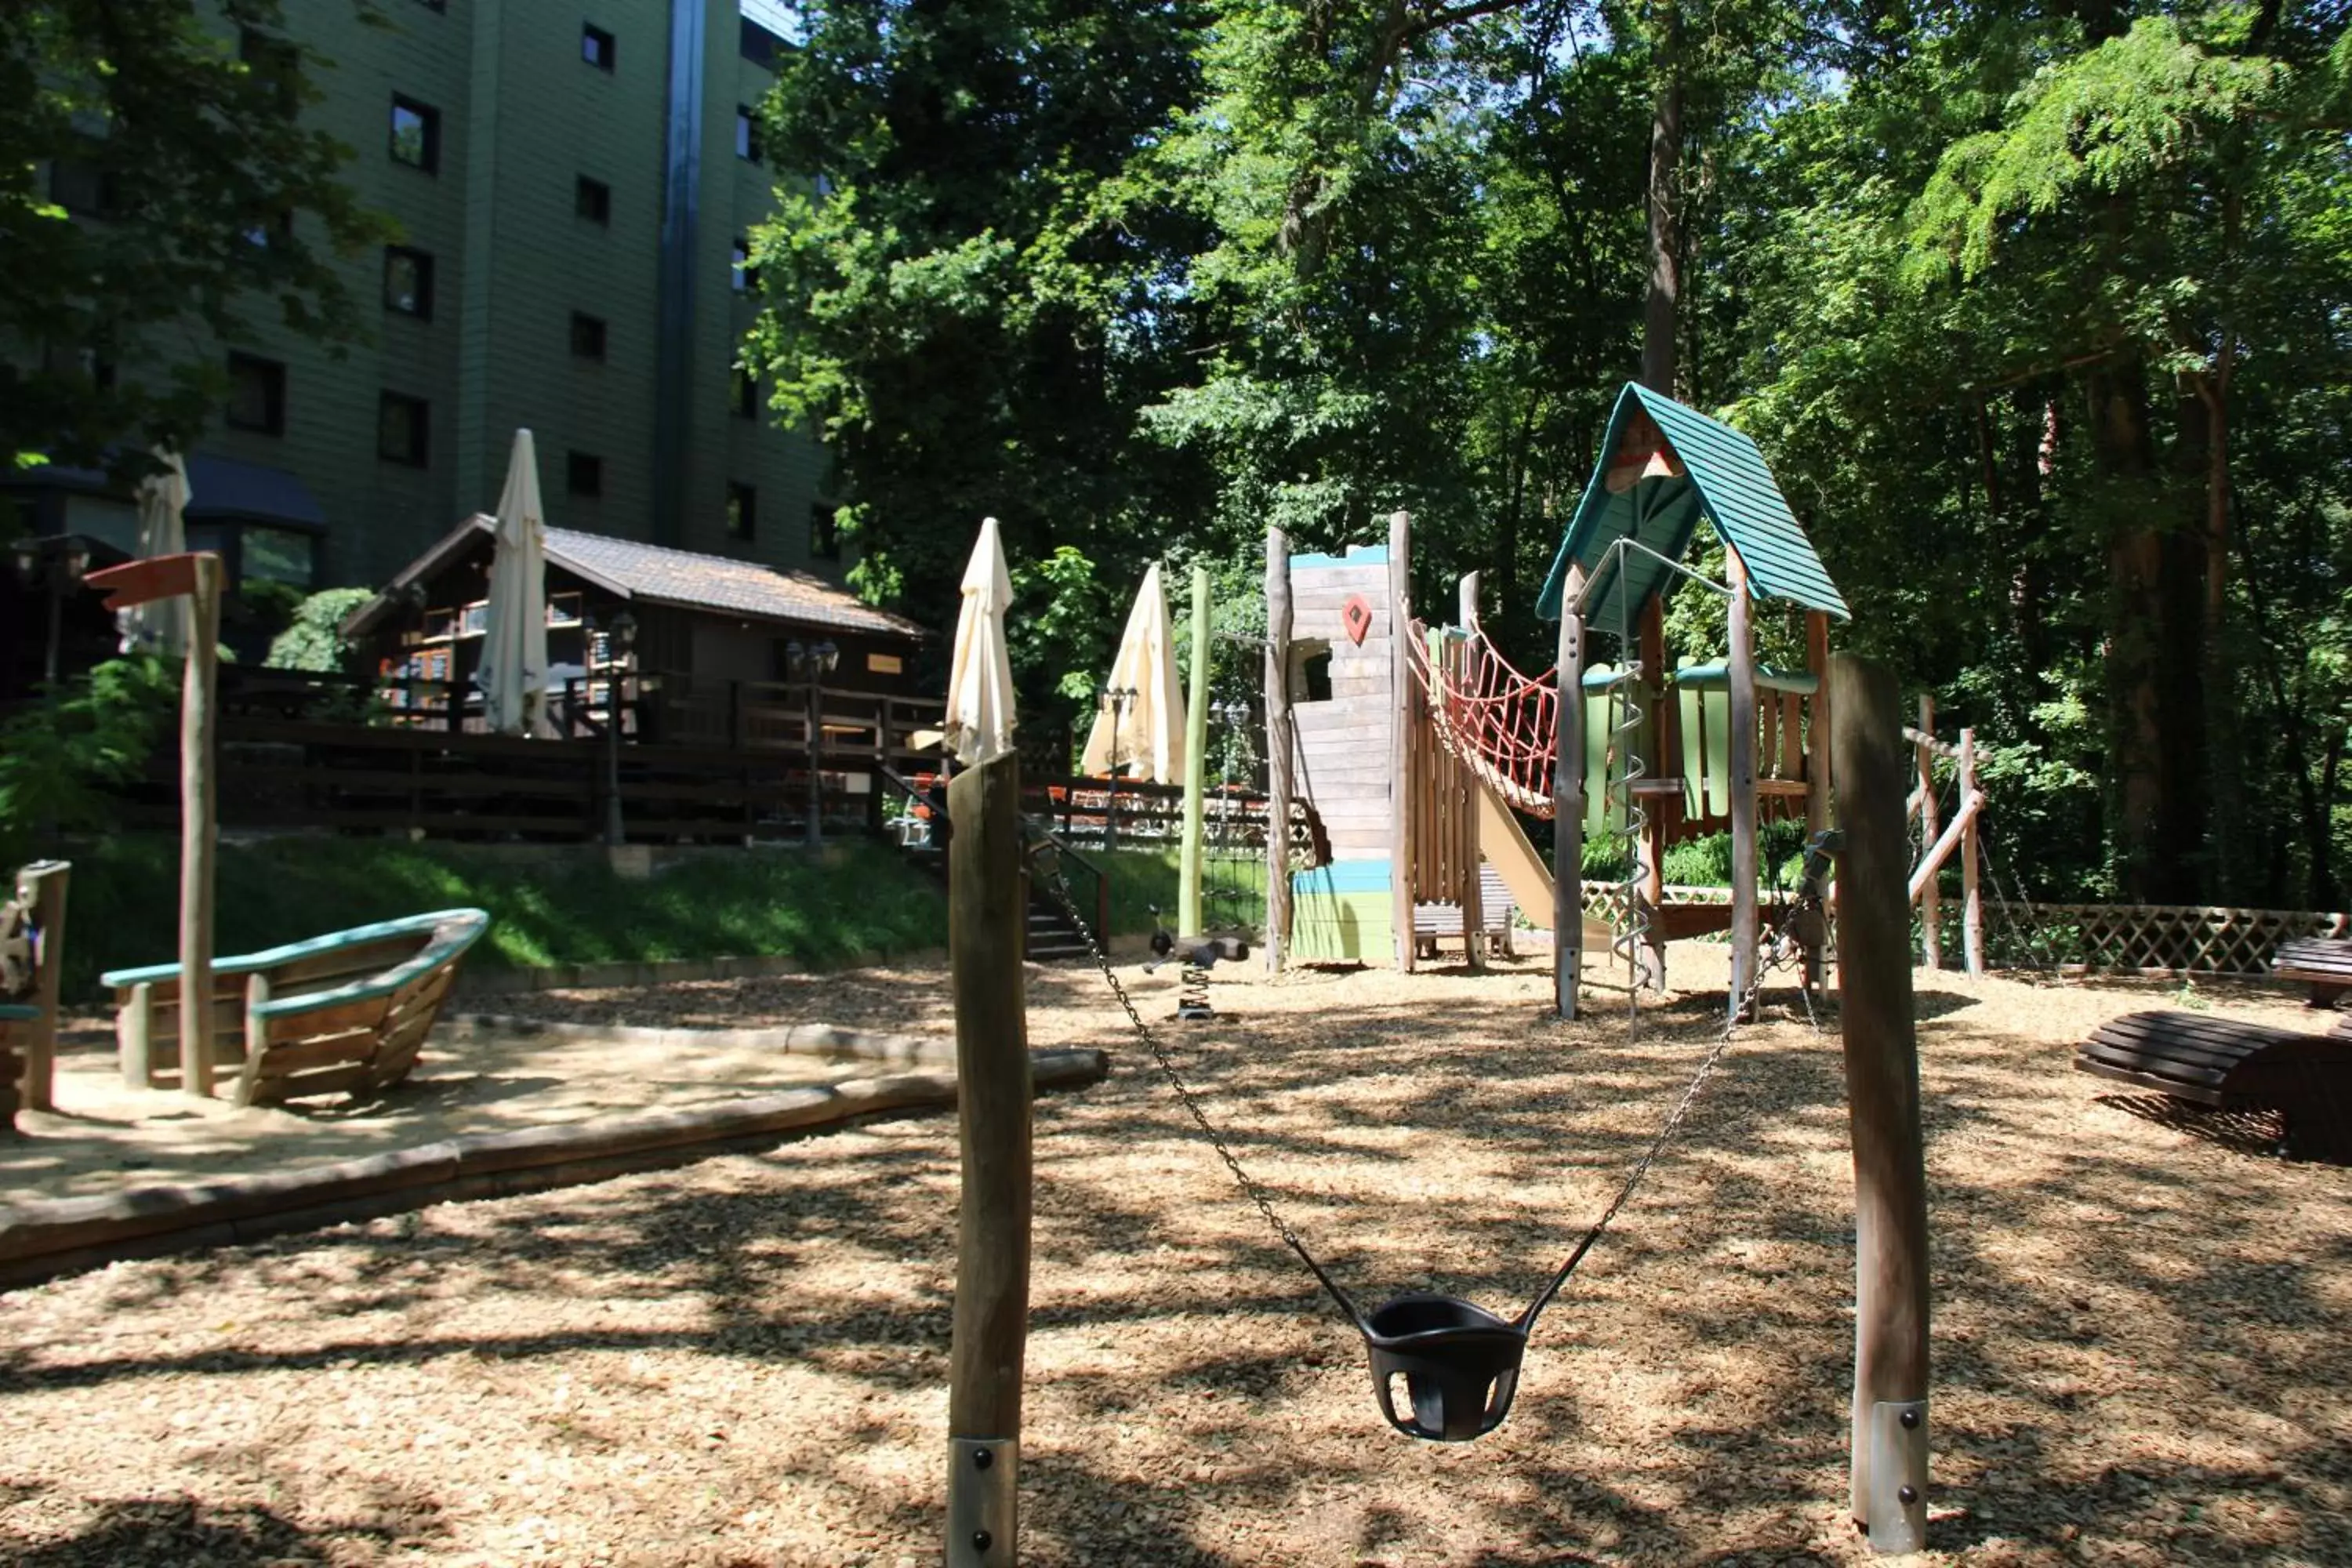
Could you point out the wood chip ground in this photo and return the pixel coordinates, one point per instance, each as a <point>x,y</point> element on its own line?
<point>2141,1349</point>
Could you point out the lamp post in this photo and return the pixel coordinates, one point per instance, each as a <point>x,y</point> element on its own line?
<point>621,634</point>
<point>54,565</point>
<point>1115,700</point>
<point>809,664</point>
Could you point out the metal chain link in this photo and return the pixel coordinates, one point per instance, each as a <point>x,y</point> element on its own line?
<point>1058,884</point>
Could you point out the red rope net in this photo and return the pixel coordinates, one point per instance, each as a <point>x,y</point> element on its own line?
<point>1501,724</point>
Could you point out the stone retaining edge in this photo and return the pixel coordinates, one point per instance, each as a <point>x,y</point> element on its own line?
<point>44,1238</point>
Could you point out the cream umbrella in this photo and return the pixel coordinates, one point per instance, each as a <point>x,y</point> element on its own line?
<point>979,681</point>
<point>1145,733</point>
<point>512,673</point>
<point>161,625</point>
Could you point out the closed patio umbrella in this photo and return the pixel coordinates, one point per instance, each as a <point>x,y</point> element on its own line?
<point>161,625</point>
<point>979,681</point>
<point>1143,736</point>
<point>512,673</point>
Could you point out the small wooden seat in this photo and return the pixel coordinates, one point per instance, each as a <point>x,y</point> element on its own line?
<point>13,1016</point>
<point>2321,962</point>
<point>2230,1065</point>
<point>349,1011</point>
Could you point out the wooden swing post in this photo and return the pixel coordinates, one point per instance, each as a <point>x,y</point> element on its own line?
<point>1971,900</point>
<point>1882,1073</point>
<point>1931,910</point>
<point>985,923</point>
<point>1401,803</point>
<point>41,887</point>
<point>1568,802</point>
<point>1277,748</point>
<point>1196,761</point>
<point>1472,893</point>
<point>1744,911</point>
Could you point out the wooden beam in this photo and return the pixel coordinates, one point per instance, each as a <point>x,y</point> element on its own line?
<point>1923,878</point>
<point>1278,744</point>
<point>1882,1068</point>
<point>1471,895</point>
<point>199,805</point>
<point>1401,803</point>
<point>991,1326</point>
<point>1971,902</point>
<point>42,887</point>
<point>1651,960</point>
<point>1818,782</point>
<point>1196,762</point>
<point>1931,944</point>
<point>1743,791</point>
<point>1568,802</point>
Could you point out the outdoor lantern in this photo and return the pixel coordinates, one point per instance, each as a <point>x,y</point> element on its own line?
<point>827,655</point>
<point>795,660</point>
<point>625,630</point>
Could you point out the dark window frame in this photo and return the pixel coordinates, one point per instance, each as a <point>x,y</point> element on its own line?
<point>428,119</point>
<point>598,48</point>
<point>743,394</point>
<point>825,532</point>
<point>419,454</point>
<point>273,372</point>
<point>422,260</point>
<point>592,199</point>
<point>742,278</point>
<point>583,474</point>
<point>742,511</point>
<point>590,335</point>
<point>746,134</point>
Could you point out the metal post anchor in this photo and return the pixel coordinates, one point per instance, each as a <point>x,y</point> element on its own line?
<point>983,1496</point>
<point>1890,1494</point>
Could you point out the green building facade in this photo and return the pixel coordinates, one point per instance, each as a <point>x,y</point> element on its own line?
<point>572,181</point>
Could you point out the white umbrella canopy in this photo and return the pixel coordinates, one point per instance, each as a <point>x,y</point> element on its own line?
<point>161,625</point>
<point>512,673</point>
<point>1146,735</point>
<point>979,681</point>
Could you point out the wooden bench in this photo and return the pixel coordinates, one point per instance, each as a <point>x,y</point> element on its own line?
<point>15,1018</point>
<point>2321,962</point>
<point>342,1013</point>
<point>2229,1065</point>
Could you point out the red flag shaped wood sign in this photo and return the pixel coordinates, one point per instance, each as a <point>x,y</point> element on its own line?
<point>1357,617</point>
<point>144,581</point>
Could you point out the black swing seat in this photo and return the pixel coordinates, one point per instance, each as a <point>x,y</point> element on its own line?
<point>1460,1365</point>
<point>2229,1065</point>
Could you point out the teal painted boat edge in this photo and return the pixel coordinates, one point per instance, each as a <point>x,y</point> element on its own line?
<point>446,947</point>
<point>245,963</point>
<point>18,1013</point>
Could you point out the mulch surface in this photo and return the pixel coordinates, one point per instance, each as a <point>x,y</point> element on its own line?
<point>2141,1353</point>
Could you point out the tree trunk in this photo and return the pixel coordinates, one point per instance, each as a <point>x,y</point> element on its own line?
<point>1660,309</point>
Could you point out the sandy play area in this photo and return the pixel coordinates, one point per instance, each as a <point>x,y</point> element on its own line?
<point>2141,1340</point>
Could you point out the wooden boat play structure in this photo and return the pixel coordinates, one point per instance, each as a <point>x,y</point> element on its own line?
<point>345,1012</point>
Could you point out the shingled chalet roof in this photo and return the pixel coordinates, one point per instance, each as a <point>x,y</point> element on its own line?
<point>658,575</point>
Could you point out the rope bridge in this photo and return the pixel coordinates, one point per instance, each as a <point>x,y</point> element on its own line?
<point>1502,725</point>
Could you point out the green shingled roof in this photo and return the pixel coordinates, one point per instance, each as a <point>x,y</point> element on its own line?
<point>1727,481</point>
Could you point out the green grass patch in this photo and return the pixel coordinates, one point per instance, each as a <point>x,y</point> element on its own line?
<point>1232,892</point>
<point>569,907</point>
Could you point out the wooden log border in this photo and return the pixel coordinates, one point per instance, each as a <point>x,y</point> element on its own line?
<point>477,981</point>
<point>44,1238</point>
<point>827,1040</point>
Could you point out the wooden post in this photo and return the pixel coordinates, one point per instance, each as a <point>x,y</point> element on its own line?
<point>1931,944</point>
<point>1568,804</point>
<point>1818,781</point>
<point>1196,761</point>
<point>134,1036</point>
<point>1278,758</point>
<point>1882,1069</point>
<point>45,881</point>
<point>198,805</point>
<point>1473,894</point>
<point>1971,902</point>
<point>1743,793</point>
<point>1401,849</point>
<point>986,918</point>
<point>1650,961</point>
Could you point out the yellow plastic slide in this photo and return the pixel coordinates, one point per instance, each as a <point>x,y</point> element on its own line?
<point>1504,843</point>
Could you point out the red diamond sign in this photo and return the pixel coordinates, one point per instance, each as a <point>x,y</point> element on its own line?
<point>1357,617</point>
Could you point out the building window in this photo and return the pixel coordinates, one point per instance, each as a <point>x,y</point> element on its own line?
<point>742,511</point>
<point>592,199</point>
<point>257,395</point>
<point>434,5</point>
<point>587,336</point>
<point>825,532</point>
<point>746,134</point>
<point>273,63</point>
<point>82,188</point>
<point>400,427</point>
<point>415,135</point>
<point>408,282</point>
<point>742,275</point>
<point>743,392</point>
<point>596,47</point>
<point>277,555</point>
<point>583,474</point>
<point>1310,671</point>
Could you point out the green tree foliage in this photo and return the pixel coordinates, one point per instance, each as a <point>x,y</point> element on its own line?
<point>314,639</point>
<point>56,759</point>
<point>157,196</point>
<point>2039,312</point>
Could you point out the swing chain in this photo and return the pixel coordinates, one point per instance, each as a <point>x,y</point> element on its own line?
<point>1058,884</point>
